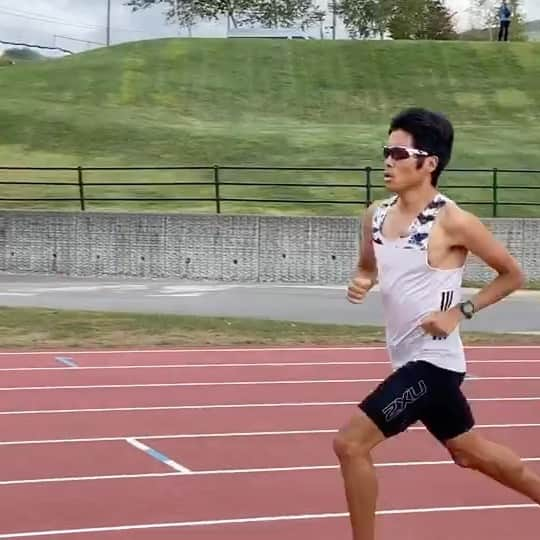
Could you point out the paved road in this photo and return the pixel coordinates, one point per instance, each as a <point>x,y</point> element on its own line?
<point>519,313</point>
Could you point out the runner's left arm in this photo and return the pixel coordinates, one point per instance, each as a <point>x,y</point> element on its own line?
<point>468,231</point>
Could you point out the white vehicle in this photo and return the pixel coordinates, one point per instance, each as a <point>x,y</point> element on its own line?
<point>268,33</point>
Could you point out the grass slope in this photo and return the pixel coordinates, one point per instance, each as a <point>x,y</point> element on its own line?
<point>315,103</point>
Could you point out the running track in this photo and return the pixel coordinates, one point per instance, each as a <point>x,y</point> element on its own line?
<point>235,444</point>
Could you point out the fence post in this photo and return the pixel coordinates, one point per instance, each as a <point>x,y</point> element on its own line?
<point>495,193</point>
<point>81,186</point>
<point>368,186</point>
<point>216,188</point>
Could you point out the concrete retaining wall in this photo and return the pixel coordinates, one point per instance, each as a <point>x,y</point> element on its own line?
<point>211,247</point>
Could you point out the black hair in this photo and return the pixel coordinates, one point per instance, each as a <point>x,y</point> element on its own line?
<point>431,132</point>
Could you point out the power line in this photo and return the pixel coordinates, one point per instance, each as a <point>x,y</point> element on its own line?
<point>54,20</point>
<point>44,18</point>
<point>79,40</point>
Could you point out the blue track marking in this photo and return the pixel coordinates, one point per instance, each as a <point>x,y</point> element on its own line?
<point>158,455</point>
<point>67,361</point>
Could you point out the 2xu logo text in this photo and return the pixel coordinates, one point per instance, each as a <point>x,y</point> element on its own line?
<point>398,405</point>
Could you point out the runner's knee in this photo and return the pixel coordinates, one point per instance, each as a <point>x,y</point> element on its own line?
<point>465,450</point>
<point>462,458</point>
<point>357,438</point>
<point>347,447</point>
<point>474,452</point>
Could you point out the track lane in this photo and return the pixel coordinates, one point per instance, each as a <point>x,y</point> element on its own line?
<point>245,354</point>
<point>74,376</point>
<point>154,500</point>
<point>206,355</point>
<point>492,524</point>
<point>131,423</point>
<point>316,449</point>
<point>78,459</point>
<point>16,400</point>
<point>101,458</point>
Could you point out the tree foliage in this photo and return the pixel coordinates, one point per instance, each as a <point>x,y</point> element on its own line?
<point>421,19</point>
<point>283,13</point>
<point>402,19</point>
<point>269,13</point>
<point>518,26</point>
<point>183,12</point>
<point>366,18</point>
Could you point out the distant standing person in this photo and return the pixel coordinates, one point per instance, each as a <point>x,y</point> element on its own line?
<point>504,17</point>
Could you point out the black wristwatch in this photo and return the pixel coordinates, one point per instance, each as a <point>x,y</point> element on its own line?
<point>467,308</point>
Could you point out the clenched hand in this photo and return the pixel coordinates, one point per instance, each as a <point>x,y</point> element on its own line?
<point>358,288</point>
<point>442,323</point>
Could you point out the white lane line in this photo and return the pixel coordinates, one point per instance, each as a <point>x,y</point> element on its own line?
<point>157,455</point>
<point>211,365</point>
<point>252,364</point>
<point>167,295</point>
<point>185,384</point>
<point>225,472</point>
<point>198,350</point>
<point>230,406</point>
<point>265,519</point>
<point>251,349</point>
<point>240,383</point>
<point>230,434</point>
<point>177,384</point>
<point>165,437</point>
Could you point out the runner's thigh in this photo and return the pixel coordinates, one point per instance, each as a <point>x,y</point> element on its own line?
<point>449,413</point>
<point>400,400</point>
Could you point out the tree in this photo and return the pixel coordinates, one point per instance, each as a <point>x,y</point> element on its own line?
<point>518,29</point>
<point>236,10</point>
<point>186,12</point>
<point>284,13</point>
<point>483,12</point>
<point>270,13</point>
<point>421,19</point>
<point>366,18</point>
<point>182,12</point>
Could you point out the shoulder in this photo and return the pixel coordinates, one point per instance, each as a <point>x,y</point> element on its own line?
<point>381,203</point>
<point>459,223</point>
<point>375,207</point>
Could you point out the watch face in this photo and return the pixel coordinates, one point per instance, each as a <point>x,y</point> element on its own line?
<point>468,308</point>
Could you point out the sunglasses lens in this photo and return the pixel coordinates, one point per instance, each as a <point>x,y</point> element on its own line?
<point>395,152</point>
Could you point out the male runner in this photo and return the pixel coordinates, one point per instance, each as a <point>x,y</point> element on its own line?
<point>415,245</point>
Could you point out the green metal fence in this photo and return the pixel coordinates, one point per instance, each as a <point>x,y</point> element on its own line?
<point>220,185</point>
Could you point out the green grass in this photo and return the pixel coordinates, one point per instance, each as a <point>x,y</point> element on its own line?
<point>40,329</point>
<point>275,103</point>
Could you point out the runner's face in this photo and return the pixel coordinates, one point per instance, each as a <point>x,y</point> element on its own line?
<point>405,174</point>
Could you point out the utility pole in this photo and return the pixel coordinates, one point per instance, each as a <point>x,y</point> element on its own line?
<point>108,23</point>
<point>334,19</point>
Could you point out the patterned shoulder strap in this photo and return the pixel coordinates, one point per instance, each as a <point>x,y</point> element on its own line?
<point>378,218</point>
<point>418,239</point>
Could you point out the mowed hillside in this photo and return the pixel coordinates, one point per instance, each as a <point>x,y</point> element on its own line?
<point>264,102</point>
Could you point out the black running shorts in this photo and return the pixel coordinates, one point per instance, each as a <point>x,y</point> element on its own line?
<point>420,392</point>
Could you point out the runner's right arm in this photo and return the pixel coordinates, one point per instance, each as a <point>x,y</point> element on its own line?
<point>365,275</point>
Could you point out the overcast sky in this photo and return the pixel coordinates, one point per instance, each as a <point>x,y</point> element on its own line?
<point>62,22</point>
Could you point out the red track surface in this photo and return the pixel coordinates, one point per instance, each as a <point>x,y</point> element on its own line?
<point>100,489</point>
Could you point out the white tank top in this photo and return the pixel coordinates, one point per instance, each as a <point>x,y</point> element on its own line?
<point>411,289</point>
